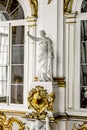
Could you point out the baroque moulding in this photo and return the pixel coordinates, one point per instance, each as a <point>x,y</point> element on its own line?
<point>34,7</point>
<point>68,6</point>
<point>38,116</point>
<point>40,100</point>
<point>61,81</point>
<point>6,124</point>
<point>80,127</point>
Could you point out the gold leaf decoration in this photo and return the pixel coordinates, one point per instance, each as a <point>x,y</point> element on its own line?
<point>80,127</point>
<point>34,7</point>
<point>6,124</point>
<point>68,6</point>
<point>39,116</point>
<point>49,1</point>
<point>40,100</point>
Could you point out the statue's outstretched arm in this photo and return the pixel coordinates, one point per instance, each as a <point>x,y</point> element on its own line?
<point>34,38</point>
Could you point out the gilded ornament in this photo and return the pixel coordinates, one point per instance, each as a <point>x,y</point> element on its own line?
<point>80,127</point>
<point>68,6</point>
<point>61,81</point>
<point>34,7</point>
<point>39,116</point>
<point>40,100</point>
<point>49,1</point>
<point>6,124</point>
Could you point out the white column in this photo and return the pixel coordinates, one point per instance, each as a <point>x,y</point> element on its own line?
<point>70,59</point>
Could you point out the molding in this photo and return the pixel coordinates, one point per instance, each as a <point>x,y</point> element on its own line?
<point>13,112</point>
<point>33,25</point>
<point>61,81</point>
<point>70,117</point>
<point>70,22</point>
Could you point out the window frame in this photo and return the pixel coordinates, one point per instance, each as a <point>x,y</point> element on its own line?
<point>81,16</point>
<point>24,105</point>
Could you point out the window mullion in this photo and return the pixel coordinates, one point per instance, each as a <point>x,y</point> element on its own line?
<point>9,65</point>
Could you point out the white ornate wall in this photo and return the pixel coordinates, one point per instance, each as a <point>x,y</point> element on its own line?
<point>60,27</point>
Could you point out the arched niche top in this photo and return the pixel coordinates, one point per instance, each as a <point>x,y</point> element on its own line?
<point>30,7</point>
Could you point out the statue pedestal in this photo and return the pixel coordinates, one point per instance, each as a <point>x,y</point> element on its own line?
<point>47,93</point>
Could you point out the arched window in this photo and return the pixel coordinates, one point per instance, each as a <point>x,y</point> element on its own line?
<point>10,10</point>
<point>12,46</point>
<point>76,59</point>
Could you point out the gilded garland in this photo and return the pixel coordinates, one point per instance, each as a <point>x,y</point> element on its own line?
<point>40,100</point>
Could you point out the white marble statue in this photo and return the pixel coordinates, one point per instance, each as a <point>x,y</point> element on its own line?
<point>45,56</point>
<point>40,125</point>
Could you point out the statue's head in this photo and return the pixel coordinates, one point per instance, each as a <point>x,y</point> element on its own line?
<point>42,33</point>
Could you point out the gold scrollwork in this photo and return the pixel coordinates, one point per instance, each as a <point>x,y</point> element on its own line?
<point>39,116</point>
<point>80,127</point>
<point>68,6</point>
<point>6,124</point>
<point>40,100</point>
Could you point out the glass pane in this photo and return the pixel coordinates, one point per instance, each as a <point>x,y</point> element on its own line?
<point>83,97</point>
<point>17,54</point>
<point>17,73</point>
<point>84,6</point>
<point>83,75</point>
<point>3,63</point>
<point>17,35</point>
<point>10,10</point>
<point>17,93</point>
<point>83,65</point>
<point>17,64</point>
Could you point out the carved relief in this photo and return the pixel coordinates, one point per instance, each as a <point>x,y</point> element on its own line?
<point>68,6</point>
<point>6,124</point>
<point>80,127</point>
<point>40,100</point>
